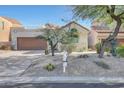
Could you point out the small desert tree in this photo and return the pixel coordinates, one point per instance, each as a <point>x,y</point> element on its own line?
<point>54,35</point>
<point>106,13</point>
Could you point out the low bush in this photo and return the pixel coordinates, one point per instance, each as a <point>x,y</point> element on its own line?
<point>107,50</point>
<point>98,45</point>
<point>5,47</point>
<point>83,56</point>
<point>120,51</point>
<point>49,67</point>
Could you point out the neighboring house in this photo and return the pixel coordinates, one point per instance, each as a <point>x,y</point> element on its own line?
<point>82,42</point>
<point>23,39</point>
<point>100,31</point>
<point>5,26</point>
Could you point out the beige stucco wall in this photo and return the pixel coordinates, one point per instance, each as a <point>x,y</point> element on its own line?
<point>82,44</point>
<point>5,33</point>
<point>92,39</point>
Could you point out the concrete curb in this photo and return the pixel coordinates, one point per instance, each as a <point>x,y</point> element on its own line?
<point>15,80</point>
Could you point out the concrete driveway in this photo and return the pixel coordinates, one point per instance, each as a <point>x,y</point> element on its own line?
<point>13,63</point>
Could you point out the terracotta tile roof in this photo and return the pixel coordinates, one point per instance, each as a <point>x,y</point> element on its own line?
<point>14,21</point>
<point>51,26</point>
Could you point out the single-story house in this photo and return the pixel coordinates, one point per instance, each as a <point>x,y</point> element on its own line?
<point>23,39</point>
<point>100,31</point>
<point>82,42</point>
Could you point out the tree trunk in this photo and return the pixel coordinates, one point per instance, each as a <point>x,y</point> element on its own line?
<point>53,46</point>
<point>110,37</point>
<point>52,50</point>
<point>102,48</point>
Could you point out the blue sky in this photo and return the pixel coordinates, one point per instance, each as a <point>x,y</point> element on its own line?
<point>34,15</point>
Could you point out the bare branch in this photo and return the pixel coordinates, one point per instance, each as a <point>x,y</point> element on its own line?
<point>112,8</point>
<point>55,44</point>
<point>121,14</point>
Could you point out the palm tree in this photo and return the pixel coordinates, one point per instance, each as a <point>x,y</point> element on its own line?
<point>107,13</point>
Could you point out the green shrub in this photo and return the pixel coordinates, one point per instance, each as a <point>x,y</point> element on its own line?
<point>5,47</point>
<point>120,51</point>
<point>98,45</point>
<point>2,47</point>
<point>83,56</point>
<point>107,50</point>
<point>50,67</point>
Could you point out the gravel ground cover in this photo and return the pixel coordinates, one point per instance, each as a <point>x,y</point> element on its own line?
<point>31,63</point>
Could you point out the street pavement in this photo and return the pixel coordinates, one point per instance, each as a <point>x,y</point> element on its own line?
<point>65,85</point>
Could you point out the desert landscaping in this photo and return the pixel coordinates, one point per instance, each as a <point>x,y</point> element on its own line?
<point>32,63</point>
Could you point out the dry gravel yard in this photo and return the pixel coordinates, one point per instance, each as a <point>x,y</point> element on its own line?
<point>31,63</point>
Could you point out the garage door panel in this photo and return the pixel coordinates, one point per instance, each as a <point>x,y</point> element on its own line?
<point>30,43</point>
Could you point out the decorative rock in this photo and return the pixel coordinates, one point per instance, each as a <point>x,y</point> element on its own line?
<point>83,56</point>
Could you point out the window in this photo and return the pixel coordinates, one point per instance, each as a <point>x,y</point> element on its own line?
<point>1,25</point>
<point>74,35</point>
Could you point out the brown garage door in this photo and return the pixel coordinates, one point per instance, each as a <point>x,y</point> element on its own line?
<point>30,43</point>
